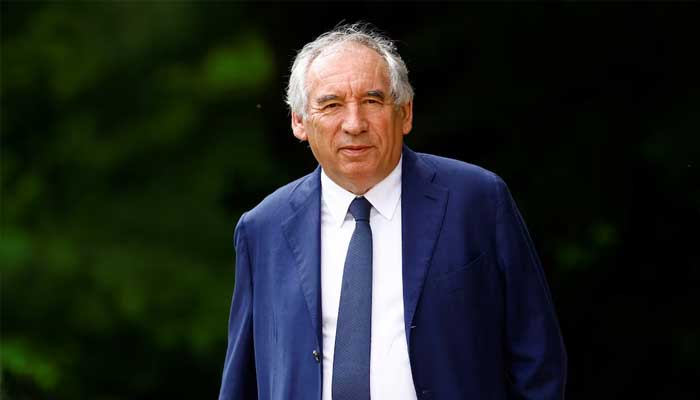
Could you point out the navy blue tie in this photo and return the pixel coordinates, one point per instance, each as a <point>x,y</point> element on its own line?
<point>353,332</point>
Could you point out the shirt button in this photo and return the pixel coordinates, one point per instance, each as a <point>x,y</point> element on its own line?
<point>317,355</point>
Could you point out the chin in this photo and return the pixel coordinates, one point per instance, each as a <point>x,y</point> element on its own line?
<point>359,171</point>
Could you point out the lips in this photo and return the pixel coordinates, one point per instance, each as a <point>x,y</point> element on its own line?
<point>354,150</point>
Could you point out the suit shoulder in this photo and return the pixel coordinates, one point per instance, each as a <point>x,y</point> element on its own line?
<point>275,205</point>
<point>272,203</point>
<point>460,172</point>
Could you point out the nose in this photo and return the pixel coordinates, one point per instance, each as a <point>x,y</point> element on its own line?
<point>354,120</point>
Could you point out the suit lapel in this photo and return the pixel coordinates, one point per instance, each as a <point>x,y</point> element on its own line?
<point>423,206</point>
<point>303,232</point>
<point>422,210</point>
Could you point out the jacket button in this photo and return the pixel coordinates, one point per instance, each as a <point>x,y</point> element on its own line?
<point>317,355</point>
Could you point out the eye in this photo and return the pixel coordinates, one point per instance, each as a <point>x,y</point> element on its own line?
<point>331,106</point>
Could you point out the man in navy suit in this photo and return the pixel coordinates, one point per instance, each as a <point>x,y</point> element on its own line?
<point>385,273</point>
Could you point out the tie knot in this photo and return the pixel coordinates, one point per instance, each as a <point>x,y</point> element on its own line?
<point>359,208</point>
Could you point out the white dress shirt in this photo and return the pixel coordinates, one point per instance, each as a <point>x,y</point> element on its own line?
<point>390,368</point>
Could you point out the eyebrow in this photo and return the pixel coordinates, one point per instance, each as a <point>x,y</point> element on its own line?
<point>325,98</point>
<point>371,93</point>
<point>376,93</point>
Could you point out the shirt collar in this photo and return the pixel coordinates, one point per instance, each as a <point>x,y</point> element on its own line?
<point>384,196</point>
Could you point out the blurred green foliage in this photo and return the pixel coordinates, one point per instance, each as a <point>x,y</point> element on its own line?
<point>121,129</point>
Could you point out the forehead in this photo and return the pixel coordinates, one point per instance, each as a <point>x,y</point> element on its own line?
<point>349,67</point>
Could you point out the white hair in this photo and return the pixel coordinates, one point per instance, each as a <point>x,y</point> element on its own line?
<point>362,34</point>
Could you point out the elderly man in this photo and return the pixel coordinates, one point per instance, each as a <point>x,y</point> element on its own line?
<point>385,273</point>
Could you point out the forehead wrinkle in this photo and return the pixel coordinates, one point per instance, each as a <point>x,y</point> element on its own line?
<point>348,71</point>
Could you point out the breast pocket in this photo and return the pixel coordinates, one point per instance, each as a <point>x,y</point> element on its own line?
<point>460,277</point>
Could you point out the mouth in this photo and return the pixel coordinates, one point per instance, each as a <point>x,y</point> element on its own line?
<point>354,150</point>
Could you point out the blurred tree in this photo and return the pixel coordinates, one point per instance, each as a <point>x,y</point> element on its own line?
<point>123,127</point>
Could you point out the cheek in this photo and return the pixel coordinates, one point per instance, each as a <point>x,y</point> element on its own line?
<point>319,141</point>
<point>323,133</point>
<point>388,129</point>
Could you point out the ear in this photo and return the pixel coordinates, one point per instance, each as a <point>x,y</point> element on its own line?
<point>407,117</point>
<point>298,127</point>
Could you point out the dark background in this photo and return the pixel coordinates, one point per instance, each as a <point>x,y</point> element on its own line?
<point>134,134</point>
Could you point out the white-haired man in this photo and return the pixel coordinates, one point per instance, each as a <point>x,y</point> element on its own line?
<point>385,273</point>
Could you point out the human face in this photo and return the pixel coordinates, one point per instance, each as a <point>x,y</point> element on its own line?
<point>353,128</point>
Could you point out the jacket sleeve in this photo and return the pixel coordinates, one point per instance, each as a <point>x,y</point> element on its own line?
<point>239,378</point>
<point>536,358</point>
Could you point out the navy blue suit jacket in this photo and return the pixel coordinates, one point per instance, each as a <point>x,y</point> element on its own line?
<point>478,316</point>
